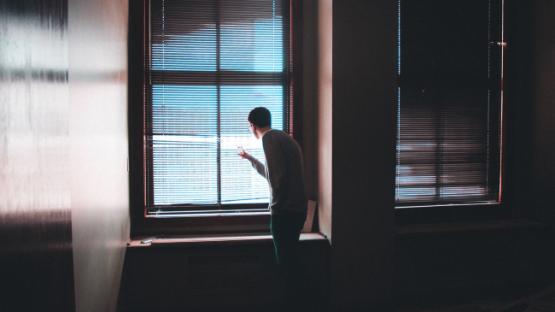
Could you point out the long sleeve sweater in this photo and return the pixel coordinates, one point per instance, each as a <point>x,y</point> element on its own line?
<point>284,172</point>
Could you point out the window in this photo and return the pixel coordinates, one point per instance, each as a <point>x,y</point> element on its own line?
<point>209,62</point>
<point>449,103</point>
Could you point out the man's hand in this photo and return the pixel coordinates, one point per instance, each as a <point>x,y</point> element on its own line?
<point>254,162</point>
<point>243,154</point>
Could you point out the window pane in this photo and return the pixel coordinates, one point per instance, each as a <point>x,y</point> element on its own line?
<point>195,51</point>
<point>443,149</point>
<point>183,35</point>
<point>240,182</point>
<point>252,38</point>
<point>211,62</point>
<point>184,144</point>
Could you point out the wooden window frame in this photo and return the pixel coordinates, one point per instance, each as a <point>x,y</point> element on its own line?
<point>204,224</point>
<point>472,212</point>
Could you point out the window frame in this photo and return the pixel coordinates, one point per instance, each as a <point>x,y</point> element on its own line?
<point>204,223</point>
<point>473,212</point>
<point>406,214</point>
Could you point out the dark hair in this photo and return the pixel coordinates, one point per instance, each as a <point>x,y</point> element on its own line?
<point>260,117</point>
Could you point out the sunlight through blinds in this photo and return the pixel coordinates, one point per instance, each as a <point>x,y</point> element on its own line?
<point>211,62</point>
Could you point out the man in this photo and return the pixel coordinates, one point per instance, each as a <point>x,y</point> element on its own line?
<point>284,173</point>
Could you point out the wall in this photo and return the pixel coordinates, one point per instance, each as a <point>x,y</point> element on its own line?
<point>363,173</point>
<point>87,131</point>
<point>35,206</point>
<point>462,263</point>
<point>63,161</point>
<point>317,105</point>
<point>98,138</point>
<point>543,111</point>
<point>308,103</point>
<point>217,276</point>
<point>529,109</point>
<point>324,93</point>
<point>519,105</point>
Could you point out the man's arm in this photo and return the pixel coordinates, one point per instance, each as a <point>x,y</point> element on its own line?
<point>256,164</point>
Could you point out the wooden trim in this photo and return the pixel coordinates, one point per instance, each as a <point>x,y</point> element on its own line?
<point>296,35</point>
<point>136,97</point>
<point>214,240</point>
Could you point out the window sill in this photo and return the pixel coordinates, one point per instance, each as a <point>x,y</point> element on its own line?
<point>213,240</point>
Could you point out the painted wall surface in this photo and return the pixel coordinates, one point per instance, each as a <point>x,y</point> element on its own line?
<point>308,102</point>
<point>63,156</point>
<point>324,92</point>
<point>99,149</point>
<point>35,215</point>
<point>364,56</point>
<point>316,105</point>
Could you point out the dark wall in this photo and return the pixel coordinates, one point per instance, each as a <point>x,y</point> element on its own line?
<point>35,216</point>
<point>529,109</point>
<point>227,276</point>
<point>364,56</point>
<point>519,105</point>
<point>471,263</point>
<point>543,109</point>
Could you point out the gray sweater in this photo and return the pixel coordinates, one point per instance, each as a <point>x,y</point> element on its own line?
<point>284,172</point>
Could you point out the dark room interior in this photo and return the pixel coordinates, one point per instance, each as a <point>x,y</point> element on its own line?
<point>427,130</point>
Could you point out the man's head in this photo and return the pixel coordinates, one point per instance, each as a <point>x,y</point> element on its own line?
<point>260,120</point>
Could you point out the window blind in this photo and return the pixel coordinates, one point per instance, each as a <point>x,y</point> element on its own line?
<point>209,63</point>
<point>449,102</point>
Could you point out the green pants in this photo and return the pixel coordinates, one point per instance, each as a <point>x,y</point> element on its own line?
<point>286,229</point>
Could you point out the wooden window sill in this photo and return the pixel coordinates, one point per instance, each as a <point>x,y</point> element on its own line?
<point>213,240</point>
